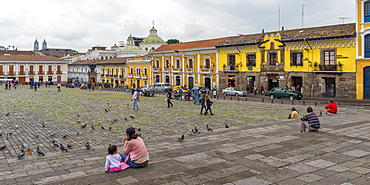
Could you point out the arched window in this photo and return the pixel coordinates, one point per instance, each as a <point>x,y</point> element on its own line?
<point>367,46</point>
<point>145,71</point>
<point>367,11</point>
<point>131,71</point>
<point>138,71</point>
<point>157,63</point>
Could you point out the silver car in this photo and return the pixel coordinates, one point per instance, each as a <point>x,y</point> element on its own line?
<point>233,92</point>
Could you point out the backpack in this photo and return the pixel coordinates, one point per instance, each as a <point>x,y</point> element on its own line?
<point>137,95</point>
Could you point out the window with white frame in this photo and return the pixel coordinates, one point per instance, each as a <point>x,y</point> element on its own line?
<point>138,71</point>
<point>207,62</point>
<point>190,63</point>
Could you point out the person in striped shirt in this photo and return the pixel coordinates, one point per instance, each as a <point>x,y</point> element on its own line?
<point>310,121</point>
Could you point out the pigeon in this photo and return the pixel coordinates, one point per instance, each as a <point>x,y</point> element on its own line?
<point>78,133</point>
<point>196,130</point>
<point>181,137</point>
<point>7,114</point>
<point>125,119</point>
<point>192,131</point>
<point>107,103</point>
<point>78,115</point>
<point>69,146</point>
<point>99,122</point>
<point>21,155</point>
<point>22,147</point>
<point>62,148</point>
<point>139,129</point>
<point>92,127</point>
<point>227,126</point>
<point>43,124</point>
<point>37,135</point>
<point>39,152</point>
<point>10,133</point>
<point>83,126</point>
<point>29,152</point>
<point>209,129</point>
<point>78,121</point>
<point>132,117</point>
<point>320,113</point>
<point>55,144</point>
<point>65,136</point>
<point>88,145</point>
<point>110,128</point>
<point>2,147</point>
<point>115,119</point>
<point>102,128</point>
<point>106,110</point>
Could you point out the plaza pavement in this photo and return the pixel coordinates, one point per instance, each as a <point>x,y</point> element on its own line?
<point>260,147</point>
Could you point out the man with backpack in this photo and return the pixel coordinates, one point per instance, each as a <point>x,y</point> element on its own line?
<point>135,98</point>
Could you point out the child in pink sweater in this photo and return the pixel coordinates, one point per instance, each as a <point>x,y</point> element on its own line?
<point>113,162</point>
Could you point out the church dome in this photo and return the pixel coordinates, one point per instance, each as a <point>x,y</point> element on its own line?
<point>131,47</point>
<point>153,37</point>
<point>130,44</point>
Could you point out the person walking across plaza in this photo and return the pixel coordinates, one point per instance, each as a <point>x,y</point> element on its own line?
<point>208,105</point>
<point>134,149</point>
<point>196,96</point>
<point>135,98</point>
<point>310,121</point>
<point>58,86</point>
<point>331,108</point>
<point>169,97</point>
<point>202,102</point>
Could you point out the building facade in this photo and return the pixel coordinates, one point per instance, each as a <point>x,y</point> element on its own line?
<point>319,61</point>
<point>30,68</point>
<point>137,72</point>
<point>363,49</point>
<point>189,64</point>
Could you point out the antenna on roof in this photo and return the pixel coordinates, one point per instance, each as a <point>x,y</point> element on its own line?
<point>153,23</point>
<point>303,12</point>
<point>342,18</point>
<point>278,16</point>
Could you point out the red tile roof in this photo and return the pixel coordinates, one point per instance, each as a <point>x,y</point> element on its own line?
<point>12,52</point>
<point>190,45</point>
<point>28,58</point>
<point>323,32</point>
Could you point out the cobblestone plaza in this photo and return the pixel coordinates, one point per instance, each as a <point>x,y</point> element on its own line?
<point>260,147</point>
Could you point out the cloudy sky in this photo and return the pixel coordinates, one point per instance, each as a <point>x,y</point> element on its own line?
<point>82,24</point>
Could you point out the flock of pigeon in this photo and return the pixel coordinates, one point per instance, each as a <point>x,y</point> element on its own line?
<point>195,130</point>
<point>62,148</point>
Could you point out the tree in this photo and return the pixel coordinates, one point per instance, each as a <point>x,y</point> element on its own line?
<point>172,41</point>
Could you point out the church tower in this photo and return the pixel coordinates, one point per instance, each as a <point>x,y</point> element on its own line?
<point>36,45</point>
<point>44,45</point>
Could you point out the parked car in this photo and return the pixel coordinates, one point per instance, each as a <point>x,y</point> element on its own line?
<point>280,92</point>
<point>177,88</point>
<point>148,90</point>
<point>233,92</point>
<point>162,87</point>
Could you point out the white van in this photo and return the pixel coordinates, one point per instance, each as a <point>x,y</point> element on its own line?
<point>162,87</point>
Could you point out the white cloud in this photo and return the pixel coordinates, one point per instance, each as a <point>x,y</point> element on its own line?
<point>82,24</point>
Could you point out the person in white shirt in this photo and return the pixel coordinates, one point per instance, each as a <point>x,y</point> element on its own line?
<point>135,98</point>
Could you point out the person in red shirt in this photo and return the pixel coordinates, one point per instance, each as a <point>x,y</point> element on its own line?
<point>331,107</point>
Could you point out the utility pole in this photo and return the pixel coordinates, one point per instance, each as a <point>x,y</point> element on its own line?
<point>303,13</point>
<point>342,18</point>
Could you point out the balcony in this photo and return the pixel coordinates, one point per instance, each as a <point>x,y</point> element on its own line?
<point>32,72</point>
<point>58,72</point>
<point>40,72</point>
<point>22,73</point>
<point>50,72</point>
<point>332,68</point>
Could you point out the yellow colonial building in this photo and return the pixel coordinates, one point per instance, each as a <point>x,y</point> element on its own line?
<point>112,71</point>
<point>318,61</point>
<point>189,64</point>
<point>138,72</point>
<point>363,49</point>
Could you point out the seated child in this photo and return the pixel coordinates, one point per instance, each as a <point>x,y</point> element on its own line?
<point>113,162</point>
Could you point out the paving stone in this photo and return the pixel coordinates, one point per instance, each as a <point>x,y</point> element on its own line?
<point>252,180</point>
<point>309,177</point>
<point>320,163</point>
<point>126,180</point>
<point>356,153</point>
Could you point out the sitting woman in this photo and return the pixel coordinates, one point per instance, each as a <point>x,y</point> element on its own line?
<point>135,150</point>
<point>294,114</point>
